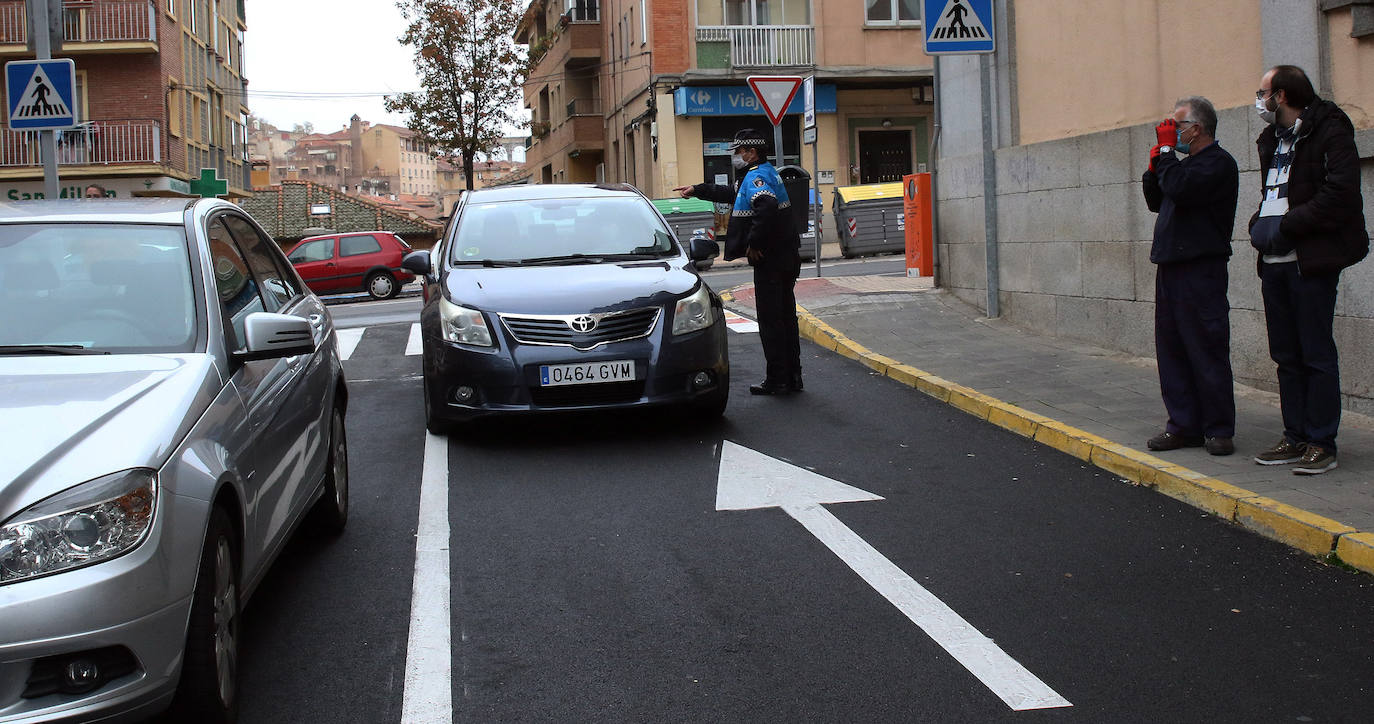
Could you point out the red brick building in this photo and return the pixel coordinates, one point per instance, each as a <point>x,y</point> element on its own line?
<point>160,98</point>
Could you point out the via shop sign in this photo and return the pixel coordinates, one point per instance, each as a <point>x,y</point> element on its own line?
<point>120,188</point>
<point>739,100</point>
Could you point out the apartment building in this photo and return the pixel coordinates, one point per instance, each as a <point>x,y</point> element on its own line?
<point>650,92</point>
<point>392,160</point>
<point>325,158</point>
<point>160,98</point>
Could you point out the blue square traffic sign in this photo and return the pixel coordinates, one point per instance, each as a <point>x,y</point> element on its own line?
<point>958,26</point>
<point>41,94</point>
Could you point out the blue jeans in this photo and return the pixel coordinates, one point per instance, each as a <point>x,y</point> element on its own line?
<point>1299,312</point>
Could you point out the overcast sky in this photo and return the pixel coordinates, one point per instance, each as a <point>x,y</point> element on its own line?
<point>306,48</point>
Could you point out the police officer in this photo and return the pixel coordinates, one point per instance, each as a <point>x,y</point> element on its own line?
<point>763,229</point>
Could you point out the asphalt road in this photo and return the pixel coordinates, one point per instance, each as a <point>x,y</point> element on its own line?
<point>593,578</point>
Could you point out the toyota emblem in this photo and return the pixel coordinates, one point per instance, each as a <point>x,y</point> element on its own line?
<point>583,323</point>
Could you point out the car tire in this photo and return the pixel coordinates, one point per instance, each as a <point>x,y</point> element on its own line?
<point>713,407</point>
<point>208,690</point>
<point>381,285</point>
<point>433,423</point>
<point>331,511</point>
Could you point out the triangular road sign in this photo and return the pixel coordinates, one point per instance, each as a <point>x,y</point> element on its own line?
<point>775,93</point>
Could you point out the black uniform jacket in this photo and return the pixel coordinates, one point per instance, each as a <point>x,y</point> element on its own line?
<point>1196,202</point>
<point>770,230</point>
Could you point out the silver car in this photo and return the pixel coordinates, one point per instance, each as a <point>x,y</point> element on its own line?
<point>171,407</point>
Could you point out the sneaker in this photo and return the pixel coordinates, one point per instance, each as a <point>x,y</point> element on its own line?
<point>1283,453</point>
<point>1172,441</point>
<point>1315,461</point>
<point>1219,445</point>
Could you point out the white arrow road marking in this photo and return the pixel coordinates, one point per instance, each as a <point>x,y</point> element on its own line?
<point>750,480</point>
<point>428,697</point>
<point>413,343</point>
<point>348,341</point>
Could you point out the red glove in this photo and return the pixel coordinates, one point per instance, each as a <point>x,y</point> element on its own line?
<point>1167,132</point>
<point>1154,155</point>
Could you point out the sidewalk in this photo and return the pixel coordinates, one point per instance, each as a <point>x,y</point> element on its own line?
<point>1095,404</point>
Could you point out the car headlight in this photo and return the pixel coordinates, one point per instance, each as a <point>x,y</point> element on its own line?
<point>694,312</point>
<point>92,522</point>
<point>462,325</point>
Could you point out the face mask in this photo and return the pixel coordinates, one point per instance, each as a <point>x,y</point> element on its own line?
<point>1262,108</point>
<point>1180,146</point>
<point>738,162</point>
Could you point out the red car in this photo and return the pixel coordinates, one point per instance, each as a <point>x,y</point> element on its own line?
<point>367,261</point>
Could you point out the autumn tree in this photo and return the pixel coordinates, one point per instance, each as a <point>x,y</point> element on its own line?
<point>470,75</point>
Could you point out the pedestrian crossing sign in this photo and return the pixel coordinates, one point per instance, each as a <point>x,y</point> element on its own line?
<point>41,94</point>
<point>958,26</point>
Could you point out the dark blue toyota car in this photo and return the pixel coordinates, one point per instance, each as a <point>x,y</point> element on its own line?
<point>566,297</point>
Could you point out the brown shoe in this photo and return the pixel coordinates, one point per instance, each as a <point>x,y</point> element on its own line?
<point>1172,441</point>
<point>1219,445</point>
<point>1315,461</point>
<point>1285,452</point>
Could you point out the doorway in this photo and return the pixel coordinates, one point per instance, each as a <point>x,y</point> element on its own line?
<point>884,156</point>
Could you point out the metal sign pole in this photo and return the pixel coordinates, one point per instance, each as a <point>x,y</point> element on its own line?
<point>777,145</point>
<point>816,207</point>
<point>47,140</point>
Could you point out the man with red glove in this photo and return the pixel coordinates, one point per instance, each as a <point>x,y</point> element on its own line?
<point>1196,201</point>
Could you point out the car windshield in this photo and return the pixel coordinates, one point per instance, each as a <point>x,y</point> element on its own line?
<point>74,288</point>
<point>609,228</point>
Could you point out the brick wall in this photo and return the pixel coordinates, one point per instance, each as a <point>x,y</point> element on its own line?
<point>670,35</point>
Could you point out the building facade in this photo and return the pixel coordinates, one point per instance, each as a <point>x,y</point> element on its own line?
<point>160,98</point>
<point>1076,88</point>
<point>649,92</point>
<point>390,159</point>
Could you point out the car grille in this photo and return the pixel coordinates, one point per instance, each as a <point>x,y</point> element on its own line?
<point>563,329</point>
<point>605,393</point>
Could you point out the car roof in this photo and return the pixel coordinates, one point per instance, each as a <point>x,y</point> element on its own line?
<point>528,192</point>
<point>344,233</point>
<point>147,210</point>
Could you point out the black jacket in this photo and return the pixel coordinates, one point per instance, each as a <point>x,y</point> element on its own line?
<point>1196,202</point>
<point>770,230</point>
<point>1325,219</point>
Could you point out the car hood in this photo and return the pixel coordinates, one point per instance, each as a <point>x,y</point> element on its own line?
<point>66,420</point>
<point>569,289</point>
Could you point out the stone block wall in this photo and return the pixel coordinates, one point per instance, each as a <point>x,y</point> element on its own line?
<point>1074,244</point>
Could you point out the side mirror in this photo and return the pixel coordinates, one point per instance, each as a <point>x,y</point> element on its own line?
<point>271,336</point>
<point>417,262</point>
<point>702,246</point>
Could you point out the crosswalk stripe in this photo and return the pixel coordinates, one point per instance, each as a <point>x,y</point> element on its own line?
<point>413,344</point>
<point>743,325</point>
<point>348,340</point>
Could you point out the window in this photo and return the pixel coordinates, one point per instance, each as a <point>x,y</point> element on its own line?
<point>892,12</point>
<point>238,292</point>
<point>262,259</point>
<point>357,245</point>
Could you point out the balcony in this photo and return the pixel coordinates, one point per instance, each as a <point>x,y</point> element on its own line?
<point>94,143</point>
<point>88,26</point>
<point>573,41</point>
<point>755,46</point>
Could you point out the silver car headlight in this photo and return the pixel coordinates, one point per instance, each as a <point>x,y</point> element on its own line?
<point>694,312</point>
<point>462,325</point>
<point>92,522</point>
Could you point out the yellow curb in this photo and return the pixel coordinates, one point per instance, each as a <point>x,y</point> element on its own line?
<point>1010,417</point>
<point>1293,526</point>
<point>1296,527</point>
<point>1198,490</point>
<point>1357,550</point>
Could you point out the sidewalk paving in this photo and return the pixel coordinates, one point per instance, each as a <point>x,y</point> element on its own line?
<point>1097,404</point>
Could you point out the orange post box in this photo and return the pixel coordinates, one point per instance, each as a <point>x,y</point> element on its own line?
<point>920,235</point>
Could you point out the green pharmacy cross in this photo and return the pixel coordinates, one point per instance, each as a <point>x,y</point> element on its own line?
<point>209,185</point>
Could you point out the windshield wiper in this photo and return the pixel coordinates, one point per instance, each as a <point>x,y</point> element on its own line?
<point>18,349</point>
<point>489,263</point>
<point>577,258</point>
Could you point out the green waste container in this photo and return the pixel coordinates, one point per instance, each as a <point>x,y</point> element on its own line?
<point>869,219</point>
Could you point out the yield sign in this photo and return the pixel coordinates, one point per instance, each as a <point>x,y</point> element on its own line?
<point>775,93</point>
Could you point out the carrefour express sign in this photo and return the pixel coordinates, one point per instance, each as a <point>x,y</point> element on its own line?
<point>739,100</point>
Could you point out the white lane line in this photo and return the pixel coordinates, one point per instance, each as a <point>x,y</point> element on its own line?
<point>428,695</point>
<point>348,340</point>
<point>413,344</point>
<point>736,323</point>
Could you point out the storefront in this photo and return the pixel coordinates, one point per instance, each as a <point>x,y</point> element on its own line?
<point>723,111</point>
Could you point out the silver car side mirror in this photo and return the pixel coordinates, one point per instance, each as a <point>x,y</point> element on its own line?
<point>271,336</point>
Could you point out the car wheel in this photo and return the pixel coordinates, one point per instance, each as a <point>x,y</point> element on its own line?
<point>331,512</point>
<point>208,690</point>
<point>712,407</point>
<point>381,285</point>
<point>435,425</point>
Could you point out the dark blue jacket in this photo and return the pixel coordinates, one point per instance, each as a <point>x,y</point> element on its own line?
<point>1196,202</point>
